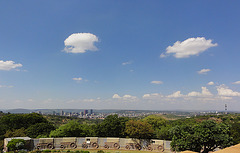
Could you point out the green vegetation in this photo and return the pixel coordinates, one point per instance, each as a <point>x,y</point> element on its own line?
<point>16,144</point>
<point>200,132</point>
<point>112,126</point>
<point>72,129</point>
<point>139,129</point>
<point>206,136</point>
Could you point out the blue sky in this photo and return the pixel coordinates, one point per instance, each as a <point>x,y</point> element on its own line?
<point>157,55</point>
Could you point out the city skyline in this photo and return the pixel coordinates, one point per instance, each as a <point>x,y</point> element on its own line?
<point>157,55</point>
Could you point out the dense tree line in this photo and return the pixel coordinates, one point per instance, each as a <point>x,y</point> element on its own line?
<point>197,133</point>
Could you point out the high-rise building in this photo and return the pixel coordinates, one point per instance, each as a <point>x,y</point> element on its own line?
<point>61,113</point>
<point>81,113</point>
<point>91,111</point>
<point>85,112</point>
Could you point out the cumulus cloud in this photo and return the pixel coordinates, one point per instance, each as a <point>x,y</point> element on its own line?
<point>116,96</point>
<point>225,91</point>
<point>210,83</point>
<point>194,94</point>
<point>176,95</point>
<point>204,71</point>
<point>125,97</point>
<point>80,43</point>
<point>205,92</point>
<point>237,82</point>
<point>146,96</point>
<point>152,96</point>
<point>156,82</point>
<point>8,65</point>
<point>189,47</point>
<point>129,97</point>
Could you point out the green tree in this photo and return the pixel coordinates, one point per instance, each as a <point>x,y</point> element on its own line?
<point>39,129</point>
<point>15,133</point>
<point>17,121</point>
<point>182,137</point>
<point>203,137</point>
<point>71,129</point>
<point>12,121</point>
<point>234,130</point>
<point>160,126</point>
<point>16,144</point>
<point>163,132</point>
<point>139,129</point>
<point>156,121</point>
<point>112,126</point>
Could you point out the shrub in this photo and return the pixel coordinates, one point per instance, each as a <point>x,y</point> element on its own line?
<point>16,144</point>
<point>45,151</point>
<point>100,151</point>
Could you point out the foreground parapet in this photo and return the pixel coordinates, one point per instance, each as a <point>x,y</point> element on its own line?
<point>90,142</point>
<point>156,145</point>
<point>65,143</point>
<point>93,143</point>
<point>112,143</point>
<point>131,144</point>
<point>45,143</point>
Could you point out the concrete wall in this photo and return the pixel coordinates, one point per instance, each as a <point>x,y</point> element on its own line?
<point>79,141</point>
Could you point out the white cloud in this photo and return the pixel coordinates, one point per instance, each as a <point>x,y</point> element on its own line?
<point>194,94</point>
<point>129,97</point>
<point>176,95</point>
<point>8,65</point>
<point>127,63</point>
<point>156,82</point>
<point>205,92</point>
<point>163,55</point>
<point>80,43</point>
<point>125,97</point>
<point>189,47</point>
<point>77,79</point>
<point>237,82</point>
<point>210,83</point>
<point>204,71</point>
<point>116,96</point>
<point>146,96</point>
<point>152,96</point>
<point>225,91</point>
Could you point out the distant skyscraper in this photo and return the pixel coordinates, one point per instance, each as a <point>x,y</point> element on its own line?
<point>61,113</point>
<point>91,111</point>
<point>81,113</point>
<point>85,112</point>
